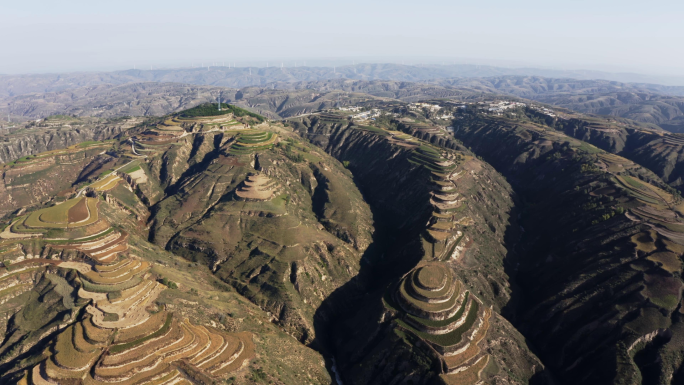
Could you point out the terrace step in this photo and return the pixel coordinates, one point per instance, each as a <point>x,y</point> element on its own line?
<point>230,346</point>
<point>55,372</point>
<point>422,309</point>
<point>67,356</point>
<point>39,377</point>
<point>436,327</point>
<point>217,342</point>
<point>181,347</point>
<point>151,326</point>
<point>94,334</point>
<point>143,376</point>
<point>130,303</point>
<point>455,359</point>
<point>80,341</point>
<point>468,374</point>
<point>142,349</point>
<point>237,359</point>
<point>167,378</point>
<point>98,279</point>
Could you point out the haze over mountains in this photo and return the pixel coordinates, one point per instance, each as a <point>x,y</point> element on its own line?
<point>150,93</point>
<point>11,85</point>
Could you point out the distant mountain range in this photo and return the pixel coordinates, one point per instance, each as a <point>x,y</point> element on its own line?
<point>12,85</point>
<point>278,92</point>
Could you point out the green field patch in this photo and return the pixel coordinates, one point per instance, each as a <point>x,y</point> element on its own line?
<point>375,130</point>
<point>633,182</point>
<point>70,241</point>
<point>95,288</point>
<point>663,290</point>
<point>89,143</point>
<point>427,156</point>
<point>445,322</point>
<point>211,109</point>
<point>667,260</point>
<point>58,214</point>
<point>19,227</point>
<point>436,170</point>
<point>424,306</point>
<point>452,337</point>
<point>128,345</point>
<point>641,193</point>
<point>124,195</point>
<point>245,139</point>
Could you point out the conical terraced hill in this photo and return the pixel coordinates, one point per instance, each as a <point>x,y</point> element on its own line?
<point>252,141</point>
<point>438,325</point>
<point>202,119</point>
<point>257,187</point>
<point>438,309</point>
<point>119,340</point>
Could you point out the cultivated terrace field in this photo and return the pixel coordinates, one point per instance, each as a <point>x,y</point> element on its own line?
<point>56,132</point>
<point>433,280</point>
<point>214,246</point>
<point>603,242</point>
<point>87,299</point>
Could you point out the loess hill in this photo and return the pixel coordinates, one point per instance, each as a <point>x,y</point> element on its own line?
<point>207,247</point>
<point>189,250</point>
<point>215,246</point>
<point>599,262</point>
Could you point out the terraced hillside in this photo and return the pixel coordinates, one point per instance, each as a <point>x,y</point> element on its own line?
<point>602,248</point>
<point>57,132</point>
<point>50,175</point>
<point>436,309</point>
<point>116,340</point>
<point>440,215</point>
<point>251,214</point>
<point>654,149</point>
<point>126,311</point>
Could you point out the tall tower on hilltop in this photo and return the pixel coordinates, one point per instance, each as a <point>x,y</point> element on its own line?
<point>219,102</point>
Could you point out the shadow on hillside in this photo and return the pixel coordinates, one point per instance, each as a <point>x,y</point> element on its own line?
<point>516,239</point>
<point>350,314</point>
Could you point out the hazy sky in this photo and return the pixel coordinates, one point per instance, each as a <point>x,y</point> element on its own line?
<point>625,35</point>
